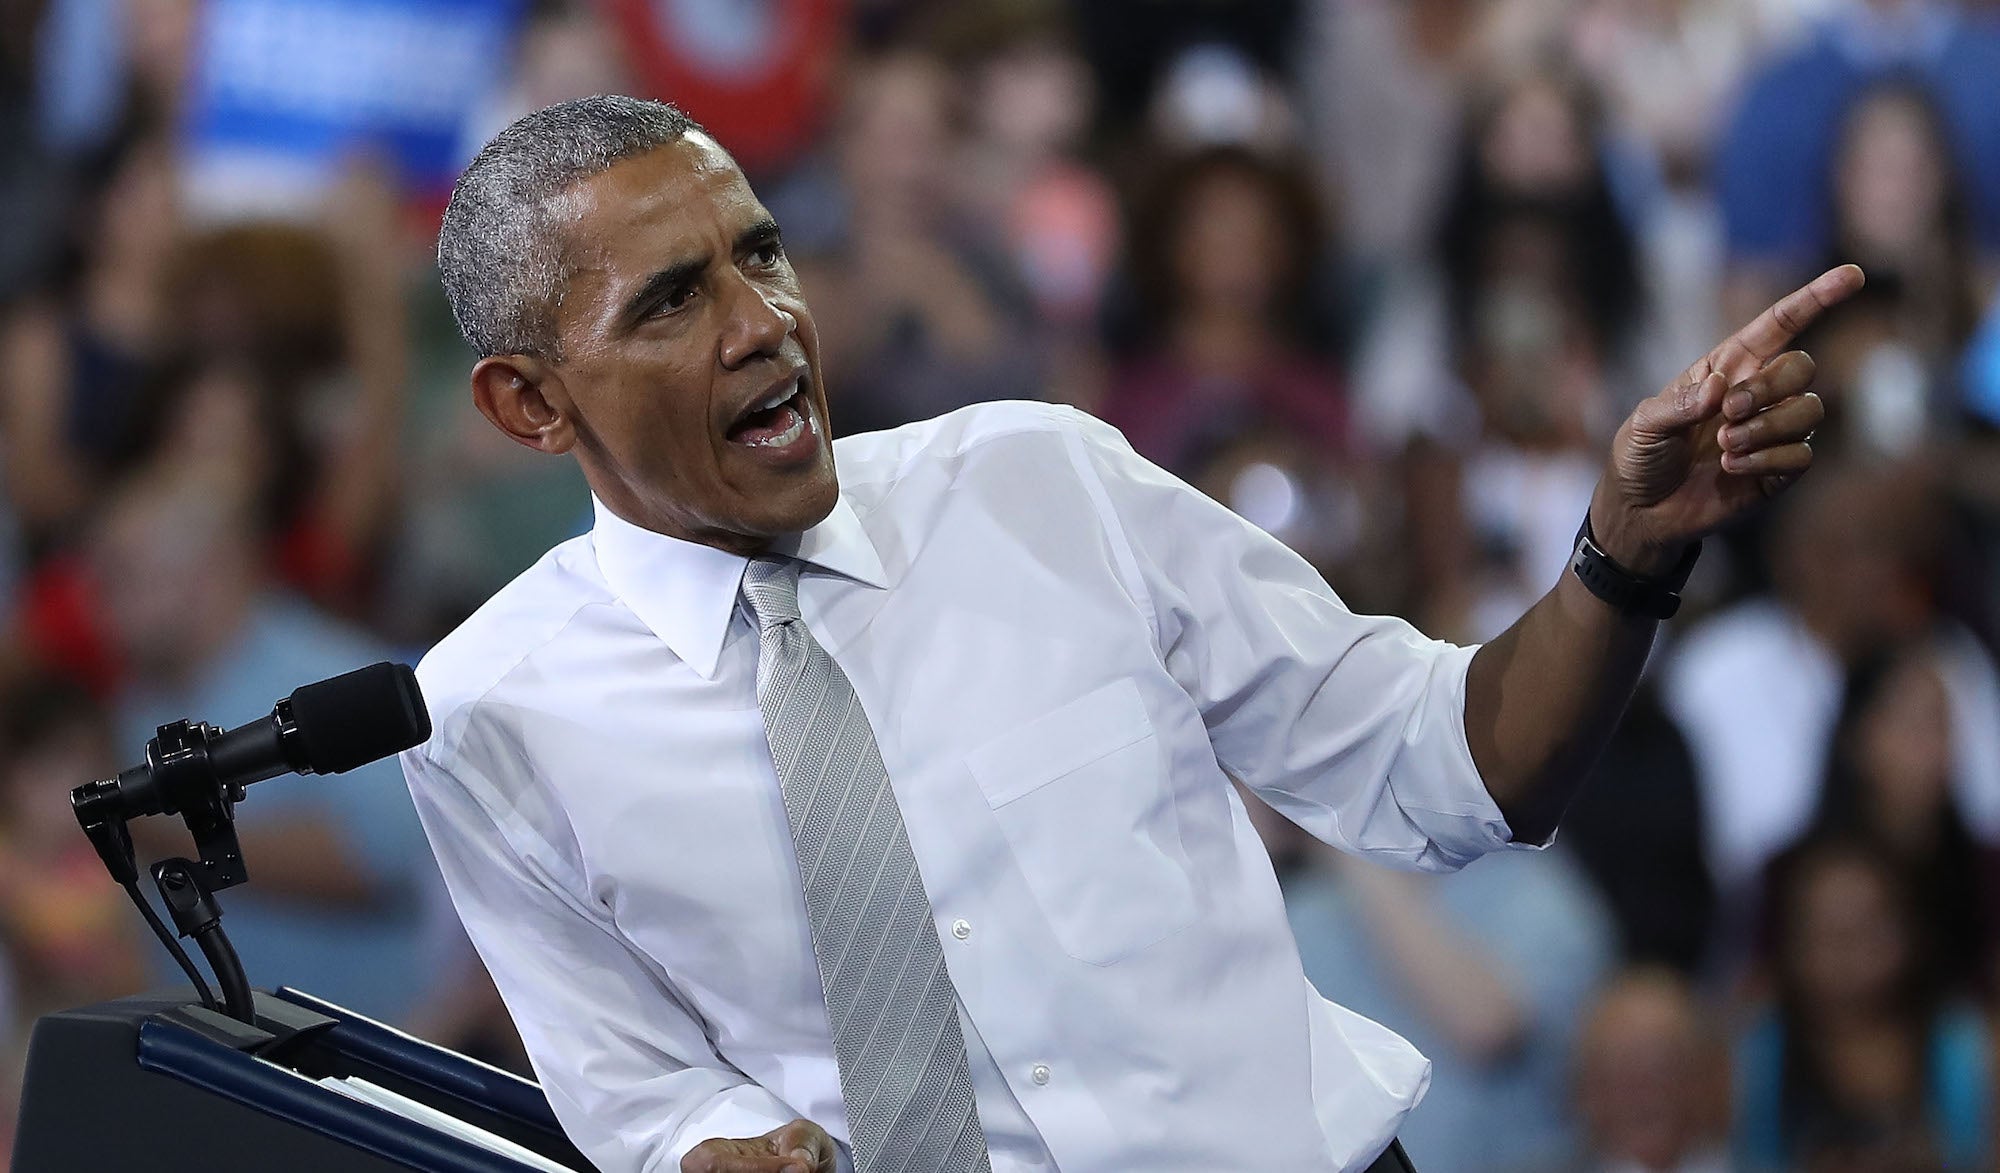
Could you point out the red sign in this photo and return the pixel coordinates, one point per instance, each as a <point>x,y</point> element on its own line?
<point>755,72</point>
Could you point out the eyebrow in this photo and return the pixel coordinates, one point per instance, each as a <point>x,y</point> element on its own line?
<point>762,232</point>
<point>663,282</point>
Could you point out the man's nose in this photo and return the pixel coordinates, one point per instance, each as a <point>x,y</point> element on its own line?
<point>756,326</point>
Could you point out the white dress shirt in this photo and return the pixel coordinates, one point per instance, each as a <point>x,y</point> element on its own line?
<point>1064,653</point>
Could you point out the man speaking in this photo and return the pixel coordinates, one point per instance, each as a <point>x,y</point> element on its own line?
<point>893,809</point>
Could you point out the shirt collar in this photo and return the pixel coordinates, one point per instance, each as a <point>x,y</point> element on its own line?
<point>686,592</point>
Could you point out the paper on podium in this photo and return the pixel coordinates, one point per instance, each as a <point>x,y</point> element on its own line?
<point>409,1109</point>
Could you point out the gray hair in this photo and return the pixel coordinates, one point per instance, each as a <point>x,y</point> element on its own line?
<point>499,251</point>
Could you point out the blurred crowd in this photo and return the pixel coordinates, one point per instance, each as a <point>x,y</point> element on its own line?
<point>1381,275</point>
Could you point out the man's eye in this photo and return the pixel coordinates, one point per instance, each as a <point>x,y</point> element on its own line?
<point>768,254</point>
<point>677,297</point>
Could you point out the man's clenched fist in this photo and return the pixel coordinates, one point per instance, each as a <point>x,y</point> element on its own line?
<point>798,1147</point>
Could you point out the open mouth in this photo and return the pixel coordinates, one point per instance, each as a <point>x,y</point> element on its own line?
<point>780,420</point>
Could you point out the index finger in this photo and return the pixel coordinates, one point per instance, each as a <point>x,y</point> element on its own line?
<point>736,1161</point>
<point>747,1163</point>
<point>1773,330</point>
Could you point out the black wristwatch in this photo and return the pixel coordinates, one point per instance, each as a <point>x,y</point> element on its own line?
<point>1634,594</point>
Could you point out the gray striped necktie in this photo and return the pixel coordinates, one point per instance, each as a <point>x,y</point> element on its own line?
<point>889,1000</point>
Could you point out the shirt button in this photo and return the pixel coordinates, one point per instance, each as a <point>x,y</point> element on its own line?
<point>1039,1073</point>
<point>961,929</point>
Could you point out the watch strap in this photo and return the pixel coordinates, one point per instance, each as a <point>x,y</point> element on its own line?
<point>1651,597</point>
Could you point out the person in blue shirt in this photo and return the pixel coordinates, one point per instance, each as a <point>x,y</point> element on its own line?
<point>1860,1057</point>
<point>1774,160</point>
<point>1483,970</point>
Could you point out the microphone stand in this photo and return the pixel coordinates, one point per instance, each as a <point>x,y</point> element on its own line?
<point>184,781</point>
<point>197,915</point>
<point>199,772</point>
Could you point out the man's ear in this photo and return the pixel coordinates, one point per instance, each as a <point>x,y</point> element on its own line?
<point>524,397</point>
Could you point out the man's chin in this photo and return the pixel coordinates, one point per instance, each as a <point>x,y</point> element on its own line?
<point>797,508</point>
<point>817,503</point>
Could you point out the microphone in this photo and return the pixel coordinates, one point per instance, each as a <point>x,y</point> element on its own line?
<point>199,772</point>
<point>328,727</point>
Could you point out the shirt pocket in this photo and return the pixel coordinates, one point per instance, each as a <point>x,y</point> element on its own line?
<point>1081,795</point>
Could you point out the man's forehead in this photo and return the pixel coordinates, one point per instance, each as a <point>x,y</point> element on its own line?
<point>684,193</point>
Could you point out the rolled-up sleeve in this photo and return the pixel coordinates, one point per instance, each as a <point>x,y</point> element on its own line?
<point>626,1066</point>
<point>1352,726</point>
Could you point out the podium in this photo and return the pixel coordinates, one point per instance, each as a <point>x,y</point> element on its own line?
<point>160,1084</point>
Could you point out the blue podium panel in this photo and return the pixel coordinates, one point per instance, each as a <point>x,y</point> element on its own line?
<point>496,1100</point>
<point>155,1085</point>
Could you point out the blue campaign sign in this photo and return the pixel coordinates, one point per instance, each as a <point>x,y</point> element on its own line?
<point>307,81</point>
